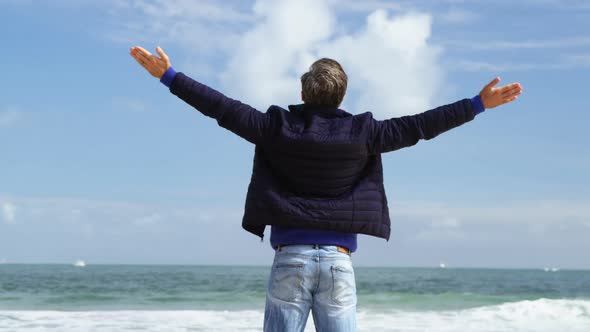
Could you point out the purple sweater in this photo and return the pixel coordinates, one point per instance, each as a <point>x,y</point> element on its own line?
<point>286,235</point>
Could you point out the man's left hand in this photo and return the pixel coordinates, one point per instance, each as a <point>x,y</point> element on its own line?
<point>157,66</point>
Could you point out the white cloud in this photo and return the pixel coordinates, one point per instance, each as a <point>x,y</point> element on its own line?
<point>468,65</point>
<point>199,27</point>
<point>75,212</point>
<point>9,117</point>
<point>148,220</point>
<point>393,70</point>
<point>447,222</point>
<point>261,52</point>
<point>577,60</point>
<point>129,104</point>
<point>269,58</point>
<point>204,9</point>
<point>503,45</point>
<point>16,2</point>
<point>566,61</point>
<point>433,234</point>
<point>576,5</point>
<point>533,212</point>
<point>458,16</point>
<point>131,230</point>
<point>69,211</point>
<point>8,212</point>
<point>367,5</point>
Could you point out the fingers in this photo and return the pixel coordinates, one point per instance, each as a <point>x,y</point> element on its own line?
<point>145,56</point>
<point>143,51</point>
<point>145,64</point>
<point>136,53</point>
<point>137,57</point>
<point>492,83</point>
<point>145,60</point>
<point>162,54</point>
<point>510,99</point>
<point>510,90</point>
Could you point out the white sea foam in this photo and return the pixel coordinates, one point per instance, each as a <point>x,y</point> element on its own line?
<point>540,316</point>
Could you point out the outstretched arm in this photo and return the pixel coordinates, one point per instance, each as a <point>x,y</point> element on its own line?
<point>231,114</point>
<point>397,133</point>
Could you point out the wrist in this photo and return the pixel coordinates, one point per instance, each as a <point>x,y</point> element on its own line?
<point>477,104</point>
<point>168,76</point>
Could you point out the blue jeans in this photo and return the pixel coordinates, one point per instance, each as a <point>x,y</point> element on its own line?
<point>311,277</point>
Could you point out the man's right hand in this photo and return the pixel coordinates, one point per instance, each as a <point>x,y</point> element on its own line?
<point>492,97</point>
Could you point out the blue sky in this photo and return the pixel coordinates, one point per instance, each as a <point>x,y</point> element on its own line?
<point>100,162</point>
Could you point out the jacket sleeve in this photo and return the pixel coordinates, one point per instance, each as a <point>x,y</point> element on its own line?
<point>242,119</point>
<point>397,133</point>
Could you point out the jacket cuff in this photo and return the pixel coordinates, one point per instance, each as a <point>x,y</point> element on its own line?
<point>168,77</point>
<point>477,105</point>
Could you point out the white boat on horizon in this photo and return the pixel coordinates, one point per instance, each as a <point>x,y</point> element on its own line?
<point>79,263</point>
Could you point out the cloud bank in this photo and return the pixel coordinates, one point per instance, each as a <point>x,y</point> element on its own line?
<point>393,68</point>
<point>423,233</point>
<point>8,212</point>
<point>9,117</point>
<point>258,54</point>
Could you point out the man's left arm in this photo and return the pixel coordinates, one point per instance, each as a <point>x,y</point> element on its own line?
<point>396,133</point>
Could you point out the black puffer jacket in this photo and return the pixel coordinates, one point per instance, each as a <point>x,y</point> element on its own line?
<point>318,167</point>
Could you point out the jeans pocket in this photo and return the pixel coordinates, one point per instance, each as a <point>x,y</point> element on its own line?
<point>287,281</point>
<point>343,285</point>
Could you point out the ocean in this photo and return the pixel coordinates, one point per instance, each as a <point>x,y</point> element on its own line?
<point>160,298</point>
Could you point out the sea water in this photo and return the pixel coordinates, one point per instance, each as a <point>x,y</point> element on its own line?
<point>231,298</point>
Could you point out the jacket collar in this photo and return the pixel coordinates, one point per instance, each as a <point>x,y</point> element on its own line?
<point>324,111</point>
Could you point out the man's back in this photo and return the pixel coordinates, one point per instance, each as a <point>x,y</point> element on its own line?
<point>314,170</point>
<point>317,152</point>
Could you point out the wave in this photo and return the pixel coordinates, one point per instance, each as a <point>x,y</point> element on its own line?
<point>543,315</point>
<point>253,301</point>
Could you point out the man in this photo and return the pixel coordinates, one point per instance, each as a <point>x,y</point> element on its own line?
<point>317,180</point>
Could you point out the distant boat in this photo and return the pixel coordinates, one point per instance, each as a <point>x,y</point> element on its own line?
<point>554,269</point>
<point>442,265</point>
<point>546,269</point>
<point>79,263</point>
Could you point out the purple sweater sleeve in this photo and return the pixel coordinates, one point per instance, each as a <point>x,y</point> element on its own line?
<point>168,76</point>
<point>477,105</point>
